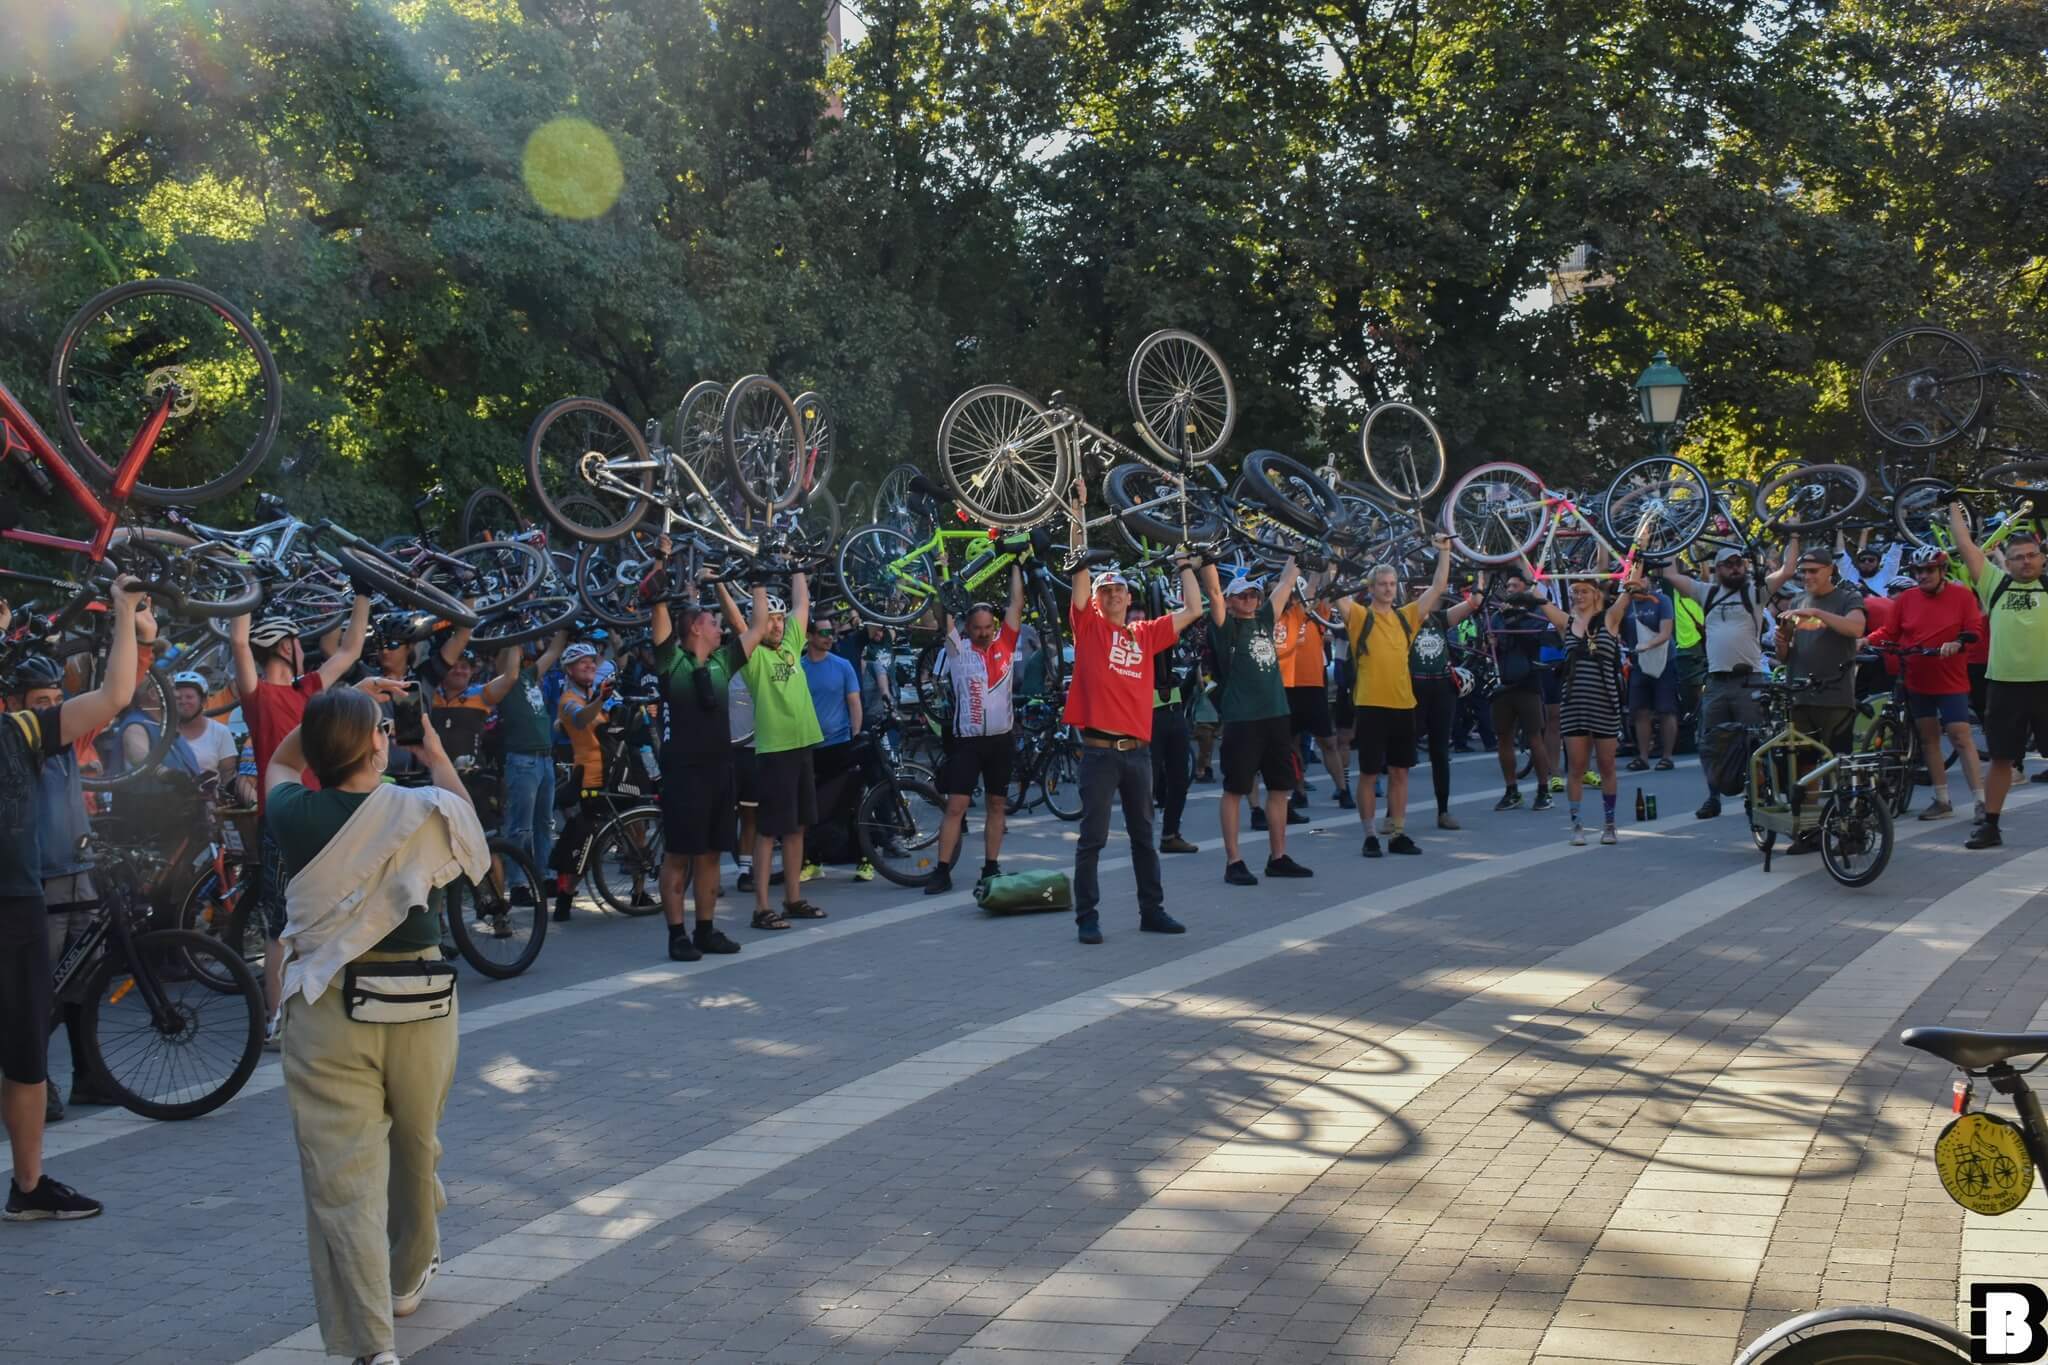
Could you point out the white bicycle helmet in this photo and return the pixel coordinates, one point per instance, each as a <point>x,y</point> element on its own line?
<point>1463,678</point>
<point>271,630</point>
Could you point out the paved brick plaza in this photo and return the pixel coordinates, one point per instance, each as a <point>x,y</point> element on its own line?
<point>1508,1102</point>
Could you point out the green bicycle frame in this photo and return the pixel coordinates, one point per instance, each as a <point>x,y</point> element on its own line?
<point>906,571</point>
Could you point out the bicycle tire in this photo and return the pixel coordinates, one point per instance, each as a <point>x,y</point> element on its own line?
<point>815,526</point>
<point>764,443</point>
<point>989,433</point>
<point>1663,498</point>
<point>646,860</point>
<point>816,417</point>
<point>1295,494</point>
<point>1850,807</point>
<point>532,619</point>
<point>1858,1342</point>
<point>1059,776</point>
<point>1918,408</point>
<point>489,514</point>
<point>1920,512</point>
<point>608,583</point>
<point>1827,492</point>
<point>1476,514</point>
<point>607,438</point>
<point>235,588</point>
<point>882,594</point>
<point>1133,485</point>
<point>2021,479</point>
<point>203,910</point>
<point>489,899</point>
<point>700,439</point>
<point>157,684</point>
<point>1409,463</point>
<point>173,948</point>
<point>370,568</point>
<point>1182,400</point>
<point>1900,746</point>
<point>122,396</point>
<point>892,494</point>
<point>495,573</point>
<point>897,828</point>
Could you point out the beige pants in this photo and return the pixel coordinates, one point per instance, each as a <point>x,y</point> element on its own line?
<point>366,1102</point>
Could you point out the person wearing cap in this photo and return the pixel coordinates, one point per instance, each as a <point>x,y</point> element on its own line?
<point>1381,634</point>
<point>1109,699</point>
<point>579,713</point>
<point>2015,601</point>
<point>203,742</point>
<point>273,683</point>
<point>1935,614</point>
<point>1732,619</point>
<point>1258,730</point>
<point>1817,643</point>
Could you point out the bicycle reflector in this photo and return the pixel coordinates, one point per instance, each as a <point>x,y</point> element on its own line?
<point>1964,1088</point>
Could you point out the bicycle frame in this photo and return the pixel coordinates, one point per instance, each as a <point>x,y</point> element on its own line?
<point>973,574</point>
<point>23,440</point>
<point>1557,508</point>
<point>665,462</point>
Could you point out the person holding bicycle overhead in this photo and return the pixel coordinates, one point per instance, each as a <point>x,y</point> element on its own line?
<point>2016,696</point>
<point>1382,637</point>
<point>1109,699</point>
<point>27,738</point>
<point>1935,614</point>
<point>1258,729</point>
<point>1592,706</point>
<point>1732,615</point>
<point>981,745</point>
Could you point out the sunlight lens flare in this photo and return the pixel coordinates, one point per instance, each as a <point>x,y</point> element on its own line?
<point>61,41</point>
<point>571,168</point>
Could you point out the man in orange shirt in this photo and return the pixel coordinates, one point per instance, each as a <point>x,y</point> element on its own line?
<point>1302,669</point>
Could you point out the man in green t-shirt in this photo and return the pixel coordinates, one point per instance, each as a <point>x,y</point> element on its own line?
<point>527,813</point>
<point>1258,732</point>
<point>2016,690</point>
<point>785,732</point>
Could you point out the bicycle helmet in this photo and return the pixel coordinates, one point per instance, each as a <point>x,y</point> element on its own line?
<point>1893,587</point>
<point>1927,557</point>
<point>576,653</point>
<point>1465,681</point>
<point>189,679</point>
<point>36,671</point>
<point>271,630</point>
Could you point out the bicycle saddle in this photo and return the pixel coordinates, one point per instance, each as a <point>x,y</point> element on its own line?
<point>920,484</point>
<point>1974,1049</point>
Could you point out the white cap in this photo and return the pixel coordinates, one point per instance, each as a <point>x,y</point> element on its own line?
<point>1242,584</point>
<point>1110,578</point>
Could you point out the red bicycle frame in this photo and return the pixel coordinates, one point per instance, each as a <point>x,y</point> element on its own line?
<point>22,439</point>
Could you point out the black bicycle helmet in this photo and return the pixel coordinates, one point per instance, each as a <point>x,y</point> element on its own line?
<point>37,670</point>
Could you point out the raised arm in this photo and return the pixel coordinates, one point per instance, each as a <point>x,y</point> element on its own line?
<point>1787,566</point>
<point>502,681</point>
<point>1617,612</point>
<point>1682,582</point>
<point>552,655</point>
<point>1440,582</point>
<point>800,606</point>
<point>287,763</point>
<point>1966,544</point>
<point>457,641</point>
<point>1082,583</point>
<point>1284,589</point>
<point>1013,617</point>
<point>1191,590</point>
<point>93,711</point>
<point>247,675</point>
<point>349,648</point>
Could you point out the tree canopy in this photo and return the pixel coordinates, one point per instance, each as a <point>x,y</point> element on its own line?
<point>444,214</point>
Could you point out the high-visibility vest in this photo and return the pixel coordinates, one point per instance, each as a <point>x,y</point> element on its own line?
<point>1687,622</point>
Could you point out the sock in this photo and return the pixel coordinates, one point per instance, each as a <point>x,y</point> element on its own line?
<point>1575,812</point>
<point>703,930</point>
<point>1607,805</point>
<point>1400,822</point>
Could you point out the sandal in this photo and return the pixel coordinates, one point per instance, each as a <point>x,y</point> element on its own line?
<point>802,910</point>
<point>768,919</point>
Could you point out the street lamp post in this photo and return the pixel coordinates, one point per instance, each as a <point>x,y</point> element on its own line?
<point>1660,389</point>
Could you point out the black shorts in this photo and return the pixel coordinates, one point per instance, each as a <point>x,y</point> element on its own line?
<point>1519,708</point>
<point>1384,737</point>
<point>1552,684</point>
<point>986,759</point>
<point>699,808</point>
<point>1308,711</point>
<point>787,788</point>
<point>746,769</point>
<point>24,989</point>
<point>1261,748</point>
<point>2013,711</point>
<point>1344,709</point>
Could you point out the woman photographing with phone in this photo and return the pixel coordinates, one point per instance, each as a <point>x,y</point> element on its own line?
<point>1592,712</point>
<point>369,1053</point>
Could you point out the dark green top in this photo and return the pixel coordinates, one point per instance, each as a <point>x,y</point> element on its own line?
<point>523,717</point>
<point>1252,689</point>
<point>303,821</point>
<point>696,724</point>
<point>1429,653</point>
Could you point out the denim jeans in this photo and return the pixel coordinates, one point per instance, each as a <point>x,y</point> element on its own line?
<point>1126,774</point>
<point>529,815</point>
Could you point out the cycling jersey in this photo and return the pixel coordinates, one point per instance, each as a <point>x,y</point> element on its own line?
<point>981,681</point>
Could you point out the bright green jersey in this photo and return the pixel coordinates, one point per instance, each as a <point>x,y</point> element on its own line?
<point>784,717</point>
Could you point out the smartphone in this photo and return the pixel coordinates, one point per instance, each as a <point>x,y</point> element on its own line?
<point>408,722</point>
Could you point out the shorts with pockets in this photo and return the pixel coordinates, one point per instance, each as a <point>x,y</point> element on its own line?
<point>787,787</point>
<point>1383,737</point>
<point>2013,711</point>
<point>1519,707</point>
<point>1658,695</point>
<point>1950,708</point>
<point>1308,712</point>
<point>700,808</point>
<point>1262,748</point>
<point>983,759</point>
<point>24,990</point>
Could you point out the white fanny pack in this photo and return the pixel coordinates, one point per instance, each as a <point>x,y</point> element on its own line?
<point>402,992</point>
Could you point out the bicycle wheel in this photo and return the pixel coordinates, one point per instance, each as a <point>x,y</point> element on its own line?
<point>1922,388</point>
<point>888,579</point>
<point>700,438</point>
<point>813,525</point>
<point>209,578</point>
<point>1920,512</point>
<point>573,444</point>
<point>2026,479</point>
<point>1060,778</point>
<point>1898,747</point>
<point>312,594</point>
<point>1403,450</point>
<point>1659,505</point>
<point>627,859</point>
<point>209,910</point>
<point>191,1059</point>
<point>154,702</point>
<point>1854,1336</point>
<point>897,826</point>
<point>1181,397</point>
<point>1295,494</point>
<point>816,417</point>
<point>119,354</point>
<point>608,578</point>
<point>375,571</point>
<point>1495,514</point>
<point>764,443</point>
<point>487,575</point>
<point>1855,837</point>
<point>534,619</point>
<point>1128,486</point>
<point>1811,499</point>
<point>498,932</point>
<point>490,514</point>
<point>1004,455</point>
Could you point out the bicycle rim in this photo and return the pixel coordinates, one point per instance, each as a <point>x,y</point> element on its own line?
<point>815,417</point>
<point>1855,839</point>
<point>523,621</point>
<point>1920,512</point>
<point>1660,504</point>
<point>884,576</point>
<point>699,440</point>
<point>1181,396</point>
<point>608,578</point>
<point>489,514</point>
<point>489,574</point>
<point>1403,451</point>
<point>1922,388</point>
<point>628,854</point>
<point>1002,456</point>
<point>1811,499</point>
<point>120,353</point>
<point>571,441</point>
<point>1859,1346</point>
<point>763,443</point>
<point>497,934</point>
<point>1292,492</point>
<point>1060,779</point>
<point>1495,513</point>
<point>194,1059</point>
<point>379,573</point>
<point>898,830</point>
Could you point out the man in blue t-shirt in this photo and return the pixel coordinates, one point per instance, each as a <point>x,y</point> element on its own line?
<point>835,696</point>
<point>1652,675</point>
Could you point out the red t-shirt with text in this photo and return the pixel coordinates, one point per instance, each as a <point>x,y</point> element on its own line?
<point>1933,619</point>
<point>1112,685</point>
<point>274,712</point>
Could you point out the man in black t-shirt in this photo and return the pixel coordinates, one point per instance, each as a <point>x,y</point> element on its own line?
<point>1516,635</point>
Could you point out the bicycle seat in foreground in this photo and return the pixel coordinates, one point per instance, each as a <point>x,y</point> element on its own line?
<point>1974,1049</point>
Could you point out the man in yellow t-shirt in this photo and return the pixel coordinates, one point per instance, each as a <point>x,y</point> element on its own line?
<point>1383,733</point>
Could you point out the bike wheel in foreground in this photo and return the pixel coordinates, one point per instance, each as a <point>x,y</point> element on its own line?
<point>625,863</point>
<point>898,829</point>
<point>1181,396</point>
<point>499,922</point>
<point>1856,837</point>
<point>190,1058</point>
<point>1004,455</point>
<point>1858,1336</point>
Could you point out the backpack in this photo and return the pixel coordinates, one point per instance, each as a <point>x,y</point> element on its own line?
<point>1728,759</point>
<point>1365,631</point>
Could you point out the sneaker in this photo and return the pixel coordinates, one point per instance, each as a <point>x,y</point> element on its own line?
<point>1386,824</point>
<point>1984,836</point>
<point>1592,779</point>
<point>1542,802</point>
<point>1607,834</point>
<point>1446,820</point>
<point>273,1032</point>
<point>1237,874</point>
<point>1401,843</point>
<point>49,1199</point>
<point>1298,799</point>
<point>1939,810</point>
<point>1089,927</point>
<point>405,1305</point>
<point>1665,765</point>
<point>941,880</point>
<point>746,881</point>
<point>1638,765</point>
<point>1557,784</point>
<point>1173,843</point>
<point>709,938</point>
<point>522,894</point>
<point>87,1095</point>
<point>1371,848</point>
<point>1296,817</point>
<point>1804,844</point>
<point>810,870</point>
<point>1258,818</point>
<point>2041,776</point>
<point>1206,775</point>
<point>1578,835</point>
<point>1284,866</point>
<point>1710,809</point>
<point>1159,922</point>
<point>381,1358</point>
<point>1511,799</point>
<point>1978,813</point>
<point>643,901</point>
<point>501,925</point>
<point>1344,801</point>
<point>680,949</point>
<point>863,871</point>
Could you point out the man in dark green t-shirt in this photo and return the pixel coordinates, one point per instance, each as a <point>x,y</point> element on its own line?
<point>1258,734</point>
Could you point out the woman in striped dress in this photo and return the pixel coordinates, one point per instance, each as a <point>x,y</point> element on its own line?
<point>1592,712</point>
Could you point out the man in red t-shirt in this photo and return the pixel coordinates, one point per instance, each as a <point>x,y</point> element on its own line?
<point>1935,614</point>
<point>1110,700</point>
<point>269,680</point>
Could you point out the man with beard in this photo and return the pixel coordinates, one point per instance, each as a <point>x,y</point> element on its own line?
<point>2016,702</point>
<point>1732,613</point>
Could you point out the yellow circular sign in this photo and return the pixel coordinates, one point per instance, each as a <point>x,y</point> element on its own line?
<point>1984,1164</point>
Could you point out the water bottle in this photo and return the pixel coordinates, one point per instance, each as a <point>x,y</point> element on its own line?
<point>653,768</point>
